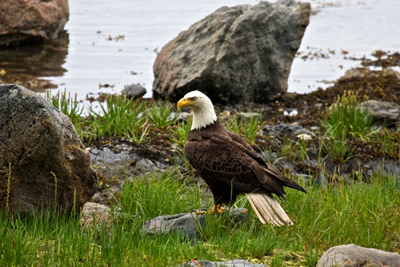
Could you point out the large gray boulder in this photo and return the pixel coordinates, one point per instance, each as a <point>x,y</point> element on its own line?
<point>236,54</point>
<point>353,255</point>
<point>23,20</point>
<point>48,161</point>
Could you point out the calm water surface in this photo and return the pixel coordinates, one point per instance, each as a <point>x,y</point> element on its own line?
<point>114,42</point>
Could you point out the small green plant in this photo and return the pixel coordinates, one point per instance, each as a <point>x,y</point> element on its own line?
<point>161,114</point>
<point>67,105</point>
<point>232,125</point>
<point>295,150</point>
<point>250,130</point>
<point>246,127</point>
<point>345,118</point>
<point>8,186</point>
<point>55,188</point>
<point>119,117</point>
<point>389,141</point>
<point>180,132</point>
<point>277,260</point>
<point>344,121</point>
<point>70,107</point>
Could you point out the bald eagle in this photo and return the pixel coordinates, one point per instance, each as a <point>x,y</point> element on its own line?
<point>230,166</point>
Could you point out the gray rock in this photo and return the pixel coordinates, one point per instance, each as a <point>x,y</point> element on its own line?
<point>107,155</point>
<point>385,166</point>
<point>26,20</point>
<point>286,130</point>
<point>133,91</point>
<point>232,263</point>
<point>181,116</point>
<point>381,111</point>
<point>48,160</point>
<point>108,195</point>
<point>186,223</point>
<point>236,54</point>
<point>352,255</point>
<point>144,165</point>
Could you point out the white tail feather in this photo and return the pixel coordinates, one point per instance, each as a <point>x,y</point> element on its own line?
<point>268,210</point>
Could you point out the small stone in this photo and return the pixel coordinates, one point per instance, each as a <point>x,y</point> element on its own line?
<point>95,215</point>
<point>133,91</point>
<point>304,137</point>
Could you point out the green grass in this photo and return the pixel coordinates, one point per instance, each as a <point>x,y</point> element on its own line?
<point>67,105</point>
<point>363,214</point>
<point>295,150</point>
<point>246,127</point>
<point>179,133</point>
<point>345,120</point>
<point>161,114</point>
<point>119,117</point>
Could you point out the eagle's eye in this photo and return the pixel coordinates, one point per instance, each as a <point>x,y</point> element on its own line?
<point>192,98</point>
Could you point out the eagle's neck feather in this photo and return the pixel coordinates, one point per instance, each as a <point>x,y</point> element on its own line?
<point>202,117</point>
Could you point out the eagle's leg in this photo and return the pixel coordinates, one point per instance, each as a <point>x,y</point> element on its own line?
<point>217,209</point>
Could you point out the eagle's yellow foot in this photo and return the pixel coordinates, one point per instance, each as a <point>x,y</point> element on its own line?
<point>217,209</point>
<point>201,212</point>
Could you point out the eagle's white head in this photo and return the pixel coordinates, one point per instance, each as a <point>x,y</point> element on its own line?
<point>202,109</point>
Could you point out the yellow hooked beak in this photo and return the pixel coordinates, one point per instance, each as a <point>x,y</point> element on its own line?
<point>184,102</point>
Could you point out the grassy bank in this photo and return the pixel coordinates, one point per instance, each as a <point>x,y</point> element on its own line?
<point>363,214</point>
<point>363,210</point>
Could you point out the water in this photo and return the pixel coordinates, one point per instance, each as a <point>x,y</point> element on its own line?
<point>356,26</point>
<point>112,43</point>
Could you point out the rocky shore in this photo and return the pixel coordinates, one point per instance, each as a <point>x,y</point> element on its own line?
<point>288,117</point>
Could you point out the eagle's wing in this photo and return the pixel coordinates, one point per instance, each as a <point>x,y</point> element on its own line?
<point>264,167</point>
<point>227,157</point>
<point>230,166</point>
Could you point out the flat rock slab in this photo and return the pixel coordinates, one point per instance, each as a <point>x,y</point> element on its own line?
<point>232,263</point>
<point>186,223</point>
<point>353,256</point>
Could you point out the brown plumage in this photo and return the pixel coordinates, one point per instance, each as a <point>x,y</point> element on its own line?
<point>230,166</point>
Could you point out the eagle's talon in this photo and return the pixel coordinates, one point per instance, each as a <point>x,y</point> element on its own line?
<point>217,209</point>
<point>200,212</point>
